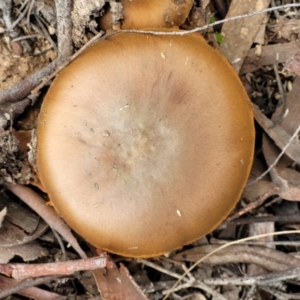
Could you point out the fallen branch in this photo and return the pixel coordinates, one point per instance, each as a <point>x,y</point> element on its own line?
<point>24,271</point>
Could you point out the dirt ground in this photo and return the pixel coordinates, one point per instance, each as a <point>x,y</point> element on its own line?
<point>253,254</point>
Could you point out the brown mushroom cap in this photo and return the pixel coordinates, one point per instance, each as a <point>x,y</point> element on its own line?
<point>139,14</point>
<point>145,142</point>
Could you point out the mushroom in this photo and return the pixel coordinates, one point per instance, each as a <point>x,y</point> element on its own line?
<point>145,142</point>
<point>139,14</point>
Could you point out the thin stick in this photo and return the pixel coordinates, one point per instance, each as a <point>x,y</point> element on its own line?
<point>26,284</point>
<point>188,282</point>
<point>21,16</point>
<point>22,271</point>
<point>64,28</point>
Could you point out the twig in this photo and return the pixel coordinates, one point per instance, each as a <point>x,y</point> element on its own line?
<point>6,7</point>
<point>64,28</point>
<point>64,32</point>
<point>275,12</point>
<point>45,32</point>
<point>30,6</point>
<point>26,37</point>
<point>24,271</point>
<point>225,246</point>
<point>257,202</point>
<point>188,282</point>
<point>268,258</point>
<point>20,17</point>
<point>24,87</point>
<point>258,243</point>
<point>265,280</point>
<point>283,219</point>
<point>275,277</point>
<point>280,295</point>
<point>26,284</point>
<point>61,244</point>
<point>251,293</point>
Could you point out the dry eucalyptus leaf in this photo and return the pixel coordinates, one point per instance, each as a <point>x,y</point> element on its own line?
<point>20,226</point>
<point>270,55</point>
<point>241,254</point>
<point>257,189</point>
<point>278,135</point>
<point>27,252</point>
<point>11,235</point>
<point>288,180</point>
<point>258,167</point>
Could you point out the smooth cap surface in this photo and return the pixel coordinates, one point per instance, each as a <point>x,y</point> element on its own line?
<point>145,142</point>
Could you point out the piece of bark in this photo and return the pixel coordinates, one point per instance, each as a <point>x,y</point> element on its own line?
<point>240,34</point>
<point>117,284</point>
<point>260,36</point>
<point>259,229</point>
